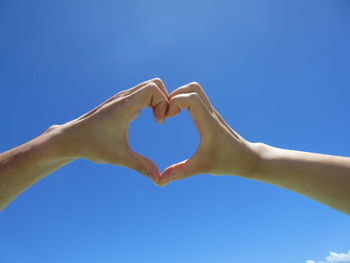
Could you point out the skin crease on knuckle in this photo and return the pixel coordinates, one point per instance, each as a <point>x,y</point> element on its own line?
<point>193,97</point>
<point>159,84</point>
<point>153,94</point>
<point>185,101</point>
<point>196,101</point>
<point>192,87</point>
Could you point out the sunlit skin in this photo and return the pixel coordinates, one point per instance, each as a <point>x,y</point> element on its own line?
<point>222,151</point>
<point>101,136</point>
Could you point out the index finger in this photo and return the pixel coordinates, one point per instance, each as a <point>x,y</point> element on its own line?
<point>157,81</point>
<point>149,96</point>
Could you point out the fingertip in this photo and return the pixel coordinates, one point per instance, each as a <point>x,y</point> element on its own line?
<point>155,180</point>
<point>160,182</point>
<point>159,112</point>
<point>166,175</point>
<point>163,184</point>
<point>172,109</point>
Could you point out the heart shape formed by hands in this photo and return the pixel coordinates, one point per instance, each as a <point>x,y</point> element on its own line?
<point>221,150</point>
<point>101,135</point>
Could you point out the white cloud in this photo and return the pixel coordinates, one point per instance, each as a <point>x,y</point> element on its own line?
<point>341,257</point>
<point>334,258</point>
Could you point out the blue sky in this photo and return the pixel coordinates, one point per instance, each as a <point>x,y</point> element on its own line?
<point>278,72</point>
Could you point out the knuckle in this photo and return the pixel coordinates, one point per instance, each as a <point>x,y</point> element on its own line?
<point>194,96</point>
<point>151,88</point>
<point>195,85</point>
<point>177,99</point>
<point>52,128</point>
<point>158,81</point>
<point>119,94</point>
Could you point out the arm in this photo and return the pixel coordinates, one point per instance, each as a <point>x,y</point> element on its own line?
<point>324,178</point>
<point>100,135</point>
<point>23,166</point>
<point>222,151</point>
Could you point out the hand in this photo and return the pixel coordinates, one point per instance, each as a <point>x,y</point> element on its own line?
<point>221,150</point>
<point>101,135</point>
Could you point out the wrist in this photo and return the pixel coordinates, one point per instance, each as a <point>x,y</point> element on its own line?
<point>57,136</point>
<point>259,152</point>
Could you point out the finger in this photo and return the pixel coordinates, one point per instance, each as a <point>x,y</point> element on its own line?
<point>178,171</point>
<point>124,93</point>
<point>149,96</point>
<point>158,109</point>
<point>199,112</point>
<point>156,81</point>
<point>161,86</point>
<point>193,87</point>
<point>143,165</point>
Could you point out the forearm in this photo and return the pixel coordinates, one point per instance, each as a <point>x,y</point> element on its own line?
<point>324,178</point>
<point>23,166</point>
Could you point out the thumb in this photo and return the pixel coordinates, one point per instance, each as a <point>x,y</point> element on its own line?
<point>143,165</point>
<point>178,171</point>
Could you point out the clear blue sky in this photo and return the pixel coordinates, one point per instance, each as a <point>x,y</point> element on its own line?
<point>278,72</point>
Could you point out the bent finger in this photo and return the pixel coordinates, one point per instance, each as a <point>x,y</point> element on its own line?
<point>158,110</point>
<point>193,87</point>
<point>157,81</point>
<point>149,96</point>
<point>201,115</point>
